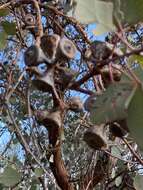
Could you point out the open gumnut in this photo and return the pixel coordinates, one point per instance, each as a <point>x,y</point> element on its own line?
<point>96,138</point>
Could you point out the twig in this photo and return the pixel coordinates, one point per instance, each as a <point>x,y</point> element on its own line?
<point>23,141</point>
<point>127,161</point>
<point>5,5</point>
<point>13,89</point>
<point>39,22</point>
<point>132,151</point>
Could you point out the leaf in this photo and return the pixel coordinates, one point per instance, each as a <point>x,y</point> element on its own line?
<point>132,11</point>
<point>35,184</point>
<point>118,181</point>
<point>113,173</point>
<point>38,172</point>
<point>100,29</point>
<point>111,105</point>
<point>138,182</point>
<point>9,27</point>
<point>129,11</point>
<point>35,187</point>
<point>138,58</point>
<point>135,116</point>
<point>139,72</point>
<point>3,40</point>
<point>115,151</point>
<point>96,11</point>
<point>4,12</point>
<point>10,176</point>
<point>85,11</point>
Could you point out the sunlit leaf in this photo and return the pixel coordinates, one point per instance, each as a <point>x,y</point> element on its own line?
<point>10,176</point>
<point>118,181</point>
<point>137,58</point>
<point>96,11</point>
<point>129,11</point>
<point>138,182</point>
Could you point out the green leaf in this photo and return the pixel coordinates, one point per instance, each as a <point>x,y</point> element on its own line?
<point>38,172</point>
<point>4,12</point>
<point>9,27</point>
<point>96,11</point>
<point>135,116</point>
<point>111,105</point>
<point>139,72</point>
<point>128,11</point>
<point>10,176</point>
<point>138,58</point>
<point>35,184</point>
<point>132,11</point>
<point>138,182</point>
<point>3,40</point>
<point>115,151</point>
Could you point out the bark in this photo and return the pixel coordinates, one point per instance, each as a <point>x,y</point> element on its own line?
<point>57,166</point>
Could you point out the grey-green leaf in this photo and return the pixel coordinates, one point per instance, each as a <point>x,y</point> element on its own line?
<point>138,182</point>
<point>115,151</point>
<point>132,11</point>
<point>38,172</point>
<point>135,116</point>
<point>111,105</point>
<point>10,176</point>
<point>96,11</point>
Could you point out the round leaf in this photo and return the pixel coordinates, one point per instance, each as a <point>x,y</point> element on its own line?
<point>96,11</point>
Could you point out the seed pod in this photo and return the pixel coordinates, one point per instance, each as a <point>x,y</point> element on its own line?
<point>105,73</point>
<point>119,128</point>
<point>75,104</point>
<point>65,76</point>
<point>34,55</point>
<point>29,20</point>
<point>45,82</point>
<point>49,45</point>
<point>96,137</point>
<point>49,118</point>
<point>89,103</point>
<point>67,48</point>
<point>99,50</point>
